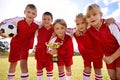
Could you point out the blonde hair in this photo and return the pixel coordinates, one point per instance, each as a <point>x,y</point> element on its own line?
<point>60,21</point>
<point>93,8</point>
<point>80,15</point>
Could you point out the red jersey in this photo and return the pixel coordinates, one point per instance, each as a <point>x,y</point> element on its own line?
<point>25,36</point>
<point>66,49</point>
<point>103,35</point>
<point>88,47</point>
<point>44,36</point>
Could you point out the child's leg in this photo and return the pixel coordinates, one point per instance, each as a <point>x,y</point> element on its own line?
<point>98,75</point>
<point>61,73</point>
<point>118,68</point>
<point>39,74</point>
<point>112,74</point>
<point>24,69</point>
<point>68,73</point>
<point>49,75</point>
<point>86,73</point>
<point>11,72</point>
<point>118,73</point>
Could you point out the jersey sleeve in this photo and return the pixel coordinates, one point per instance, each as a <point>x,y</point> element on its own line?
<point>13,20</point>
<point>70,31</point>
<point>38,23</point>
<point>115,30</point>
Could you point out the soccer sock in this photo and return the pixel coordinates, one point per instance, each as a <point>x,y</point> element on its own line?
<point>39,75</point>
<point>24,76</point>
<point>68,75</point>
<point>61,76</point>
<point>50,75</point>
<point>86,76</point>
<point>98,77</point>
<point>11,76</point>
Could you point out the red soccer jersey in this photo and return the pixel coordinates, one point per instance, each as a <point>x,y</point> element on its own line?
<point>44,36</point>
<point>23,41</point>
<point>103,35</point>
<point>88,47</point>
<point>65,51</point>
<point>25,34</point>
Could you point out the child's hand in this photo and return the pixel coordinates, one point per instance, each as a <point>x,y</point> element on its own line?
<point>77,33</point>
<point>108,59</point>
<point>2,35</point>
<point>1,31</point>
<point>53,51</point>
<point>110,21</point>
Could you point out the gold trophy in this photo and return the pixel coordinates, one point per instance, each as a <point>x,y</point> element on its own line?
<point>54,45</point>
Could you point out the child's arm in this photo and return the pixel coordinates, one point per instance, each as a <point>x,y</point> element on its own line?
<point>13,20</point>
<point>115,30</point>
<point>110,21</point>
<point>113,57</point>
<point>70,31</point>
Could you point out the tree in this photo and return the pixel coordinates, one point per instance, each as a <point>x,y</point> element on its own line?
<point>4,46</point>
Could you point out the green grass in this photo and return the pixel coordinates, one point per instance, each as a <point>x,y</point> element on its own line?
<point>77,69</point>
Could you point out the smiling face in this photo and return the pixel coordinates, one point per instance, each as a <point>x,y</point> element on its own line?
<point>30,14</point>
<point>94,15</point>
<point>59,30</point>
<point>46,20</point>
<point>94,19</point>
<point>81,24</point>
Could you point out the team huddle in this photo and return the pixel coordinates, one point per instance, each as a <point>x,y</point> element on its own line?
<point>96,37</point>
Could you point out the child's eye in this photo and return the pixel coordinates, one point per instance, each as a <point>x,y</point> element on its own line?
<point>94,14</point>
<point>33,13</point>
<point>88,16</point>
<point>77,24</point>
<point>83,22</point>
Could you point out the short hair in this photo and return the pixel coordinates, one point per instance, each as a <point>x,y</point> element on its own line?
<point>60,21</point>
<point>48,13</point>
<point>80,15</point>
<point>93,8</point>
<point>32,6</point>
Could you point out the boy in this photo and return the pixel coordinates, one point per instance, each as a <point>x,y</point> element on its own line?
<point>22,42</point>
<point>43,59</point>
<point>106,37</point>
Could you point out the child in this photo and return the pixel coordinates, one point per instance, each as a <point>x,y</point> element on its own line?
<point>65,51</point>
<point>110,59</point>
<point>22,42</point>
<point>106,37</point>
<point>88,48</point>
<point>43,59</point>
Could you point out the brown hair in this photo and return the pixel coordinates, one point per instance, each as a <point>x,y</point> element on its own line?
<point>80,15</point>
<point>32,6</point>
<point>60,21</point>
<point>93,8</point>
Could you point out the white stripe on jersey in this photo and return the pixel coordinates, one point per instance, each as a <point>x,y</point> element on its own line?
<point>115,30</point>
<point>15,20</point>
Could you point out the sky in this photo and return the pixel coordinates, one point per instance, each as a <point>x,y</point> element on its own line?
<point>66,9</point>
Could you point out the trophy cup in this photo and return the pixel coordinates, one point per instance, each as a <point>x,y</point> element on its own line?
<point>54,45</point>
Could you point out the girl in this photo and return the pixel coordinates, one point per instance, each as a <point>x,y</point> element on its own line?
<point>65,52</point>
<point>88,48</point>
<point>107,37</point>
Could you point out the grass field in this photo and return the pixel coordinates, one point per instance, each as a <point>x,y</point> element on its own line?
<point>77,69</point>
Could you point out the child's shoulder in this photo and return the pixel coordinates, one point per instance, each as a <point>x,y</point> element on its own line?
<point>114,26</point>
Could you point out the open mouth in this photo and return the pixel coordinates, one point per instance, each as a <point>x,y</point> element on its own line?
<point>93,21</point>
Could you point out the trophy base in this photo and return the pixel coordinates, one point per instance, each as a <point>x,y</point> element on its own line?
<point>55,59</point>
